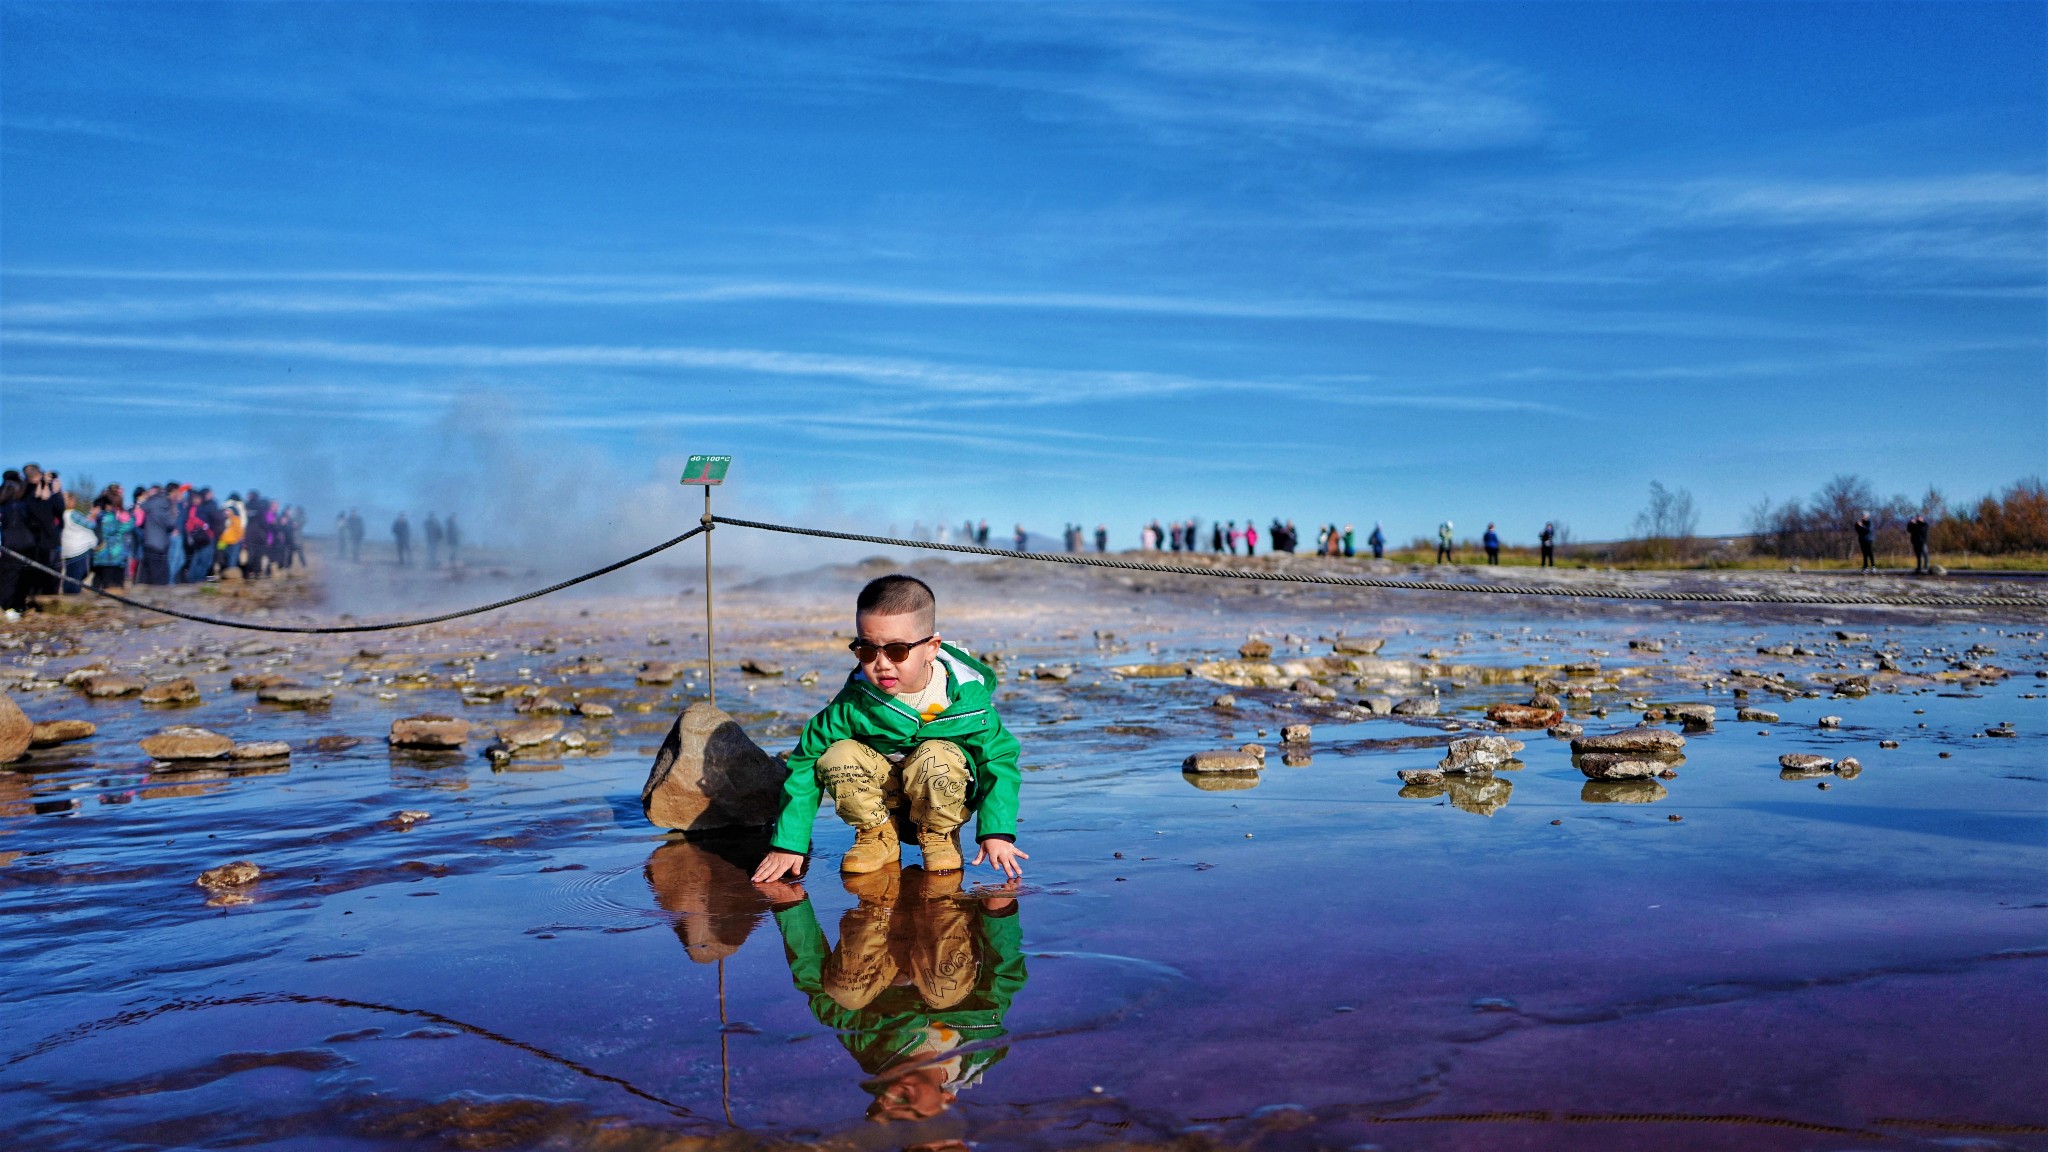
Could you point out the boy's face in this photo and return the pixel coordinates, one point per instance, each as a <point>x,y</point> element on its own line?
<point>914,671</point>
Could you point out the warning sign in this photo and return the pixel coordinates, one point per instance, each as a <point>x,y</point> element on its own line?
<point>706,469</point>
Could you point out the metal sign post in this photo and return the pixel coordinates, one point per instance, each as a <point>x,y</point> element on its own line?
<point>707,470</point>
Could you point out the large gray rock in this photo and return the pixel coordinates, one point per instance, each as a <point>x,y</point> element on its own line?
<point>1358,645</point>
<point>1416,706</point>
<point>429,731</point>
<point>710,774</point>
<point>1617,766</point>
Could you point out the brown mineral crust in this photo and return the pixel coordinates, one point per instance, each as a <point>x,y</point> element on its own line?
<point>1222,760</point>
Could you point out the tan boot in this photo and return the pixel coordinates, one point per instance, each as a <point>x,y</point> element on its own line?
<point>874,849</point>
<point>941,849</point>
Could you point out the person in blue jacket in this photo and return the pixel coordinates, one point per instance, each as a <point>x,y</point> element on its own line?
<point>1492,545</point>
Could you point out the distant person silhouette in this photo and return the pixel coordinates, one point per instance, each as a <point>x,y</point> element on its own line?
<point>1549,539</point>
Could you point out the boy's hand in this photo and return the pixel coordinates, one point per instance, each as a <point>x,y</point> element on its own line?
<point>1002,856</point>
<point>778,864</point>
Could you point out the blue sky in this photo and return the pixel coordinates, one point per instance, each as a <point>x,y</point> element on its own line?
<point>1333,262</point>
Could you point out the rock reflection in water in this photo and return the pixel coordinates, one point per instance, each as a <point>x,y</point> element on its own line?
<point>1481,797</point>
<point>707,887</point>
<point>1622,792</point>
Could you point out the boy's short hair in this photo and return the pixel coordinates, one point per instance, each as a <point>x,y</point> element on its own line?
<point>896,595</point>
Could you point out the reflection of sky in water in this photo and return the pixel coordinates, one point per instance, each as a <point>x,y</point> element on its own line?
<point>531,959</point>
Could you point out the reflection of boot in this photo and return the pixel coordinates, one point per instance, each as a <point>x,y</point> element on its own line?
<point>873,849</point>
<point>941,960</point>
<point>941,849</point>
<point>860,966</point>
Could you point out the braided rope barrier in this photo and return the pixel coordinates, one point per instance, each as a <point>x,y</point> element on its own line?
<point>385,626</point>
<point>1587,593</point>
<point>1086,560</point>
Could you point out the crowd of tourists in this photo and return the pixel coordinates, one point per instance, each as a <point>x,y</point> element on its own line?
<point>169,533</point>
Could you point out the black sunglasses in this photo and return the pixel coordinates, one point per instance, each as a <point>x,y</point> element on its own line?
<point>865,652</point>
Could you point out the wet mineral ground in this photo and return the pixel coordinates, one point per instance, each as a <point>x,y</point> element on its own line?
<point>1790,890</point>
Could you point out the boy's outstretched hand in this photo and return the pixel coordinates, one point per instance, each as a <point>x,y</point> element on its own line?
<point>778,864</point>
<point>1002,856</point>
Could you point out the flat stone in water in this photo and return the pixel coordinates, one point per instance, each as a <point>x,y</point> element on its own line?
<point>186,743</point>
<point>1756,716</point>
<point>526,733</point>
<point>1650,741</point>
<point>1617,766</point>
<point>429,731</point>
<point>179,691</point>
<point>1222,760</point>
<point>1296,734</point>
<point>594,710</point>
<point>296,697</point>
<point>111,684</point>
<point>757,667</point>
<point>1523,716</point>
<point>1416,706</point>
<point>52,732</point>
<point>260,750</point>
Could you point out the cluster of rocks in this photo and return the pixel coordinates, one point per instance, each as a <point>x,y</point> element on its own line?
<point>183,743</point>
<point>1809,765</point>
<point>1475,757</point>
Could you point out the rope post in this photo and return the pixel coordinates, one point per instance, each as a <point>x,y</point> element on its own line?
<point>710,662</point>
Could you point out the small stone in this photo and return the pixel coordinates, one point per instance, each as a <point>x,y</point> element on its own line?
<point>1566,730</point>
<point>659,672</point>
<point>2004,731</point>
<point>1307,687</point>
<point>1225,701</point>
<point>1805,762</point>
<point>1887,743</point>
<point>574,740</point>
<point>186,743</point>
<point>1416,706</point>
<point>260,750</point>
<point>526,733</point>
<point>335,743</point>
<point>1757,716</point>
<point>48,733</point>
<point>1647,645</point>
<point>250,681</point>
<point>594,710</point>
<point>1059,672</point>
<point>179,691</point>
<point>542,705</point>
<point>1296,734</point>
<point>1830,721</point>
<point>429,731</point>
<point>233,875</point>
<point>1546,700</point>
<point>1257,751</point>
<point>1221,760</point>
<point>1555,823</point>
<point>757,667</point>
<point>498,752</point>
<point>296,697</point>
<point>1853,637</point>
<point>1255,649</point>
<point>1377,705</point>
<point>1358,645</point>
<point>1674,818</point>
<point>409,818</point>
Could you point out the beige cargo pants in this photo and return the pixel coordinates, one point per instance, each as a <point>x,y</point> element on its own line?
<point>928,789</point>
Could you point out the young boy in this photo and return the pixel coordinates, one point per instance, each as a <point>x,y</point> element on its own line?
<point>909,747</point>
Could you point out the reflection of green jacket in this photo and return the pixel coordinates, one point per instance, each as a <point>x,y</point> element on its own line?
<point>865,713</point>
<point>893,1026</point>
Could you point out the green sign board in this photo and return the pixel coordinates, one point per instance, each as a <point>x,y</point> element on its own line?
<point>706,469</point>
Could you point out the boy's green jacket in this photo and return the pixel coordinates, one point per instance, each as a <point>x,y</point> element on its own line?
<point>865,713</point>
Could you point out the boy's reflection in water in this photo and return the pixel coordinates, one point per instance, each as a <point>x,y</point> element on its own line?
<point>916,988</point>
